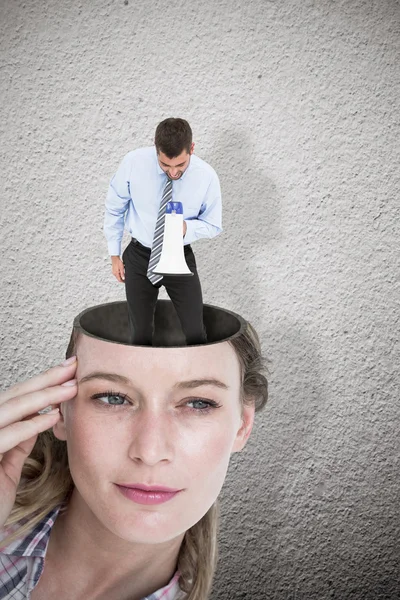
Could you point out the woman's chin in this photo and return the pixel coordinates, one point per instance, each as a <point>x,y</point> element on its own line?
<point>148,531</point>
<point>145,525</point>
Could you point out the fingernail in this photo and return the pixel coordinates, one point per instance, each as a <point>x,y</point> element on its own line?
<point>69,361</point>
<point>70,382</point>
<point>49,410</point>
<point>45,410</point>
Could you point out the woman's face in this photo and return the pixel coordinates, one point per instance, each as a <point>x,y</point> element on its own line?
<point>154,418</point>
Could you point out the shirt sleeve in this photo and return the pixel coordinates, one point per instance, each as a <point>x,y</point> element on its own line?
<point>208,224</point>
<point>117,201</point>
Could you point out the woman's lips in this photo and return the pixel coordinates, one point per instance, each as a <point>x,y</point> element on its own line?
<point>142,494</point>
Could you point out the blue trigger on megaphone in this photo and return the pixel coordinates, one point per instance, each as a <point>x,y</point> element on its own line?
<point>174,207</point>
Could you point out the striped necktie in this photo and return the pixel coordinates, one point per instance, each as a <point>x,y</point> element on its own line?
<point>159,234</point>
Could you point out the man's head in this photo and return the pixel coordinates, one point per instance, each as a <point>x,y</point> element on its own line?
<point>173,141</point>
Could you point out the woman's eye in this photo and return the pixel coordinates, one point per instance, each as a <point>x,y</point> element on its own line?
<point>202,405</point>
<point>110,399</point>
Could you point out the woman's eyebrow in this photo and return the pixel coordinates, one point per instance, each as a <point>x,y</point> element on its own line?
<point>114,377</point>
<point>191,383</point>
<point>194,383</point>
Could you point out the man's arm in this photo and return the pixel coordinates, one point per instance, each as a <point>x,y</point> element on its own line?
<point>118,198</point>
<point>209,221</point>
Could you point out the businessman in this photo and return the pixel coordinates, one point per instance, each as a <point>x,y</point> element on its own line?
<point>146,179</point>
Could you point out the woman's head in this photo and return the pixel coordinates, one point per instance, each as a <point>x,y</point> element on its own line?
<point>163,417</point>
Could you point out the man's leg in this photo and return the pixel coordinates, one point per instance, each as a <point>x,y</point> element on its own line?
<point>141,294</point>
<point>185,293</point>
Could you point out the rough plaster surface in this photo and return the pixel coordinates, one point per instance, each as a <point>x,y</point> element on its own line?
<point>295,104</point>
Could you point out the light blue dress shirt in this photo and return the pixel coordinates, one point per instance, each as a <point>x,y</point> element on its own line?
<point>135,193</point>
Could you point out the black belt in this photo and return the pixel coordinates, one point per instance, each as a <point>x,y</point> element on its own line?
<point>135,242</point>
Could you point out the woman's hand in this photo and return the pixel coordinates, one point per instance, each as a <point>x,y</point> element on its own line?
<point>20,423</point>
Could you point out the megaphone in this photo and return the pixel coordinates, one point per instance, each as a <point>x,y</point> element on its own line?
<point>172,260</point>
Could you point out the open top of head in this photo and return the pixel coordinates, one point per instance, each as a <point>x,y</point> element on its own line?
<point>109,322</point>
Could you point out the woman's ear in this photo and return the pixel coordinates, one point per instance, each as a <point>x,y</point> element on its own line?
<point>245,429</point>
<point>59,428</point>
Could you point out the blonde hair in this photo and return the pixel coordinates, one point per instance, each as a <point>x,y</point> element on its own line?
<point>46,481</point>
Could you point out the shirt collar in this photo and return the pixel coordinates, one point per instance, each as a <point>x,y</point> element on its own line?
<point>35,541</point>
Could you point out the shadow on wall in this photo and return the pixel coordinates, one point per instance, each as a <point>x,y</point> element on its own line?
<point>251,218</point>
<point>266,498</point>
<point>302,519</point>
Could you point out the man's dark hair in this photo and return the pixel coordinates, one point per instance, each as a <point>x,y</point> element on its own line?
<point>173,136</point>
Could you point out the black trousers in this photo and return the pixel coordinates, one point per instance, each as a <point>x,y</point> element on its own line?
<point>184,292</point>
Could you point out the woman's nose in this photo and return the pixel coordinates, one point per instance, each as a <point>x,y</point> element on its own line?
<point>152,439</point>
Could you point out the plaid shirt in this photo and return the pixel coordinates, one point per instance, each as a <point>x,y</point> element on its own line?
<point>22,562</point>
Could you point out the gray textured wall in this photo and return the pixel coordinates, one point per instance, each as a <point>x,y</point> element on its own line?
<point>295,104</point>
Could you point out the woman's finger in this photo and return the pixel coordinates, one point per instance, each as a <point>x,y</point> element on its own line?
<point>21,431</point>
<point>13,461</point>
<point>16,409</point>
<point>53,376</point>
